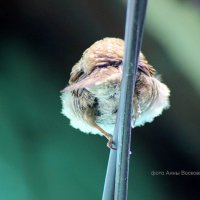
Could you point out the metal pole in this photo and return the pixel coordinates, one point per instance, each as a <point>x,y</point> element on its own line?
<point>116,182</point>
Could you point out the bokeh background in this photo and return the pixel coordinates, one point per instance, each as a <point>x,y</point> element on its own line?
<point>41,156</point>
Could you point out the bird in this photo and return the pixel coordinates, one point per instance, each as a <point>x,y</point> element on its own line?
<point>90,100</point>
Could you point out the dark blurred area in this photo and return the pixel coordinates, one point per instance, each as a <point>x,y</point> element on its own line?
<point>41,156</point>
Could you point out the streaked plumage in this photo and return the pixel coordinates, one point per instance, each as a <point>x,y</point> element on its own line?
<point>91,99</point>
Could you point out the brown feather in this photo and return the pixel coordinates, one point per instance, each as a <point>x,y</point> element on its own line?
<point>97,77</point>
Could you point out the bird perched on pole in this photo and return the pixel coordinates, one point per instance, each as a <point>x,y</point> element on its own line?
<point>91,99</point>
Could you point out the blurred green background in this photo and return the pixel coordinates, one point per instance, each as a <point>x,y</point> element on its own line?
<point>41,156</point>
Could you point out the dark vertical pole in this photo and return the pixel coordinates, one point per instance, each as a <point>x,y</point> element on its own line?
<point>116,182</point>
<point>133,37</point>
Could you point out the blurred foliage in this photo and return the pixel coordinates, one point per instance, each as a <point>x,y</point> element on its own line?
<point>41,156</point>
<point>180,21</point>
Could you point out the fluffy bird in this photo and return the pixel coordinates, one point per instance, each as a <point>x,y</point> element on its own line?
<point>91,99</point>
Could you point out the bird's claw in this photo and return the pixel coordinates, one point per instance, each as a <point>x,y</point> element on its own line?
<point>110,143</point>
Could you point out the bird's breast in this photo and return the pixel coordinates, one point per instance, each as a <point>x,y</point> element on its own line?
<point>107,96</point>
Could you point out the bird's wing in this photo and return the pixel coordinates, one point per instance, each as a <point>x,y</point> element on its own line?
<point>76,72</point>
<point>144,66</point>
<point>97,77</point>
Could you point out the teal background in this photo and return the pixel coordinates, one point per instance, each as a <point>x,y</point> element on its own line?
<point>41,156</point>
